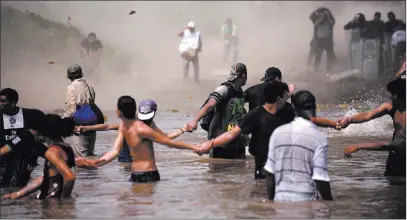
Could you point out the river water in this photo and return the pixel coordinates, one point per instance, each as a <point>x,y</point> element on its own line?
<point>197,187</point>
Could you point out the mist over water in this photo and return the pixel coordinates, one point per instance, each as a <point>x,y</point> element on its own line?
<point>272,34</point>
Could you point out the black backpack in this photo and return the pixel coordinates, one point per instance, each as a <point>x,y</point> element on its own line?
<point>207,119</point>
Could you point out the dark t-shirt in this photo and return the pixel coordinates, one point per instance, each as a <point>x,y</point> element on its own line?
<point>396,160</point>
<point>261,125</point>
<point>255,96</point>
<point>390,26</point>
<point>19,165</point>
<point>92,46</point>
<point>14,124</point>
<point>376,28</point>
<point>286,114</point>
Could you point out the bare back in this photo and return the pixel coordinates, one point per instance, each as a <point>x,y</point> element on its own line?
<point>141,150</point>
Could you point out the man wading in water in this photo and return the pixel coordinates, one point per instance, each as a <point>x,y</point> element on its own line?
<point>221,112</point>
<point>17,167</point>
<point>139,137</point>
<point>147,111</point>
<point>260,123</point>
<point>396,161</point>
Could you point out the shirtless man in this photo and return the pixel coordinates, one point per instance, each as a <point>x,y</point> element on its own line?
<point>140,137</point>
<point>396,161</point>
<point>147,110</point>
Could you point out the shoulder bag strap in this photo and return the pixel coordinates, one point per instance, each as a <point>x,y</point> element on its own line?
<point>90,92</point>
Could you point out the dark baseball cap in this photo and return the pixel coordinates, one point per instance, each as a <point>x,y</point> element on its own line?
<point>304,102</point>
<point>236,71</point>
<point>146,110</point>
<point>271,73</point>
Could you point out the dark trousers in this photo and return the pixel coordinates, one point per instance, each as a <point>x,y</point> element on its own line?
<point>322,44</point>
<point>195,63</point>
<point>228,153</point>
<point>259,162</point>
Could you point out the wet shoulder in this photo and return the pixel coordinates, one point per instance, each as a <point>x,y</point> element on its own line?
<point>140,127</point>
<point>65,148</point>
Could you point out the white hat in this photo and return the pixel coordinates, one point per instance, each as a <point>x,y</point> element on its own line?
<point>191,24</point>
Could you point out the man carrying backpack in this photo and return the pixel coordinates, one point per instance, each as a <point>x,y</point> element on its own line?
<point>221,111</point>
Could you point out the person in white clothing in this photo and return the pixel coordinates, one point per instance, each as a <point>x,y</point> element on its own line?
<point>296,164</point>
<point>229,34</point>
<point>398,42</point>
<point>190,46</point>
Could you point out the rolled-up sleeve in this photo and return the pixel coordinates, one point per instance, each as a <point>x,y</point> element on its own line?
<point>70,102</point>
<point>320,169</point>
<point>270,164</point>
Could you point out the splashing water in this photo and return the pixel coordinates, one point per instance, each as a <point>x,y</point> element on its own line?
<point>378,127</point>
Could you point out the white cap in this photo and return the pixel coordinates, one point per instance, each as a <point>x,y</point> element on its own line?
<point>191,24</point>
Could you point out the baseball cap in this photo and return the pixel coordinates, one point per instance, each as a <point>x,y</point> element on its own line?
<point>74,68</point>
<point>271,73</point>
<point>191,24</point>
<point>236,71</point>
<point>146,110</point>
<point>304,102</point>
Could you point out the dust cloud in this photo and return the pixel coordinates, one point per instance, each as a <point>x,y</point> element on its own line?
<point>272,34</point>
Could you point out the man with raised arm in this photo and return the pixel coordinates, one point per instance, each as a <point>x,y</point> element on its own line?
<point>139,137</point>
<point>396,161</point>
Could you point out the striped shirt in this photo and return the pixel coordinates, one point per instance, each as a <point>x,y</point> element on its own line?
<point>297,156</point>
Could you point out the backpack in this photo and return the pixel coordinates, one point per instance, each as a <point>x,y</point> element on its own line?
<point>234,112</point>
<point>208,118</point>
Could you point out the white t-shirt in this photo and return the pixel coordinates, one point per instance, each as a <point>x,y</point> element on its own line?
<point>397,37</point>
<point>297,156</point>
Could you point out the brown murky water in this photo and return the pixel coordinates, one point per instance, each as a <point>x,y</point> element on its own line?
<point>197,187</point>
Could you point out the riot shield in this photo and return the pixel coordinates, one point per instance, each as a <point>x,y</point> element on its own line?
<point>355,50</point>
<point>371,59</point>
<point>388,53</point>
